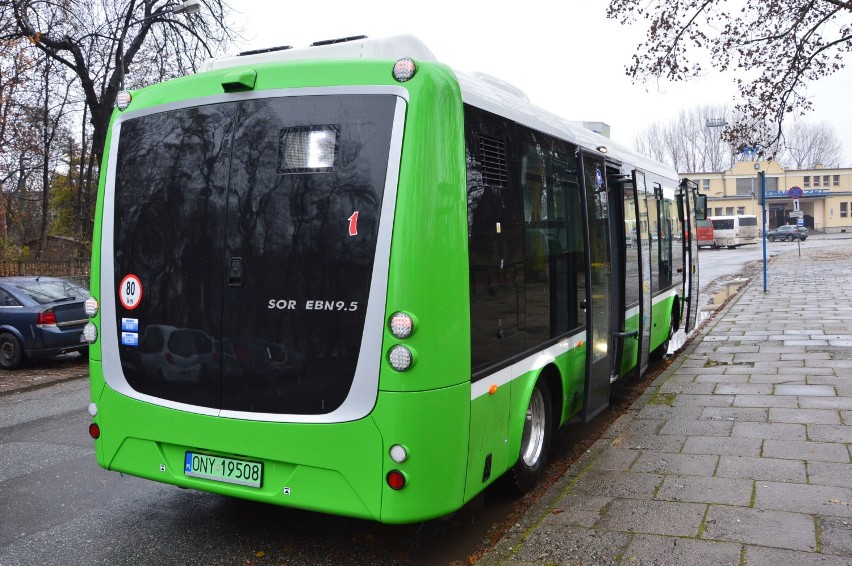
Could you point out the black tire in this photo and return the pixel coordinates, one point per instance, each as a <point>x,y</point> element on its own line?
<point>11,352</point>
<point>789,237</point>
<point>535,440</point>
<point>770,238</point>
<point>663,348</point>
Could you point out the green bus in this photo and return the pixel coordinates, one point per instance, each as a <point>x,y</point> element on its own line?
<point>349,279</point>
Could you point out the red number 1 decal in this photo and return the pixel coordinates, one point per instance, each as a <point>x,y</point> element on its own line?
<point>353,224</point>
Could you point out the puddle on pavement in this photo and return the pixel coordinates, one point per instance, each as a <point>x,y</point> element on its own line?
<point>729,289</point>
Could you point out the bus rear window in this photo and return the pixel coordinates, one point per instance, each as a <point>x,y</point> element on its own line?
<point>748,221</point>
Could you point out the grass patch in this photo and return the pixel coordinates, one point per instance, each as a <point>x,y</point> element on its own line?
<point>666,399</point>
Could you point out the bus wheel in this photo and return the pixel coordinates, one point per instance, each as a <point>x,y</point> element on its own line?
<point>535,441</point>
<point>663,348</point>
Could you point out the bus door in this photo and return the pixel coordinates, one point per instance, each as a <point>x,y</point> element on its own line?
<point>622,213</point>
<point>690,253</point>
<point>643,243</point>
<point>599,287</point>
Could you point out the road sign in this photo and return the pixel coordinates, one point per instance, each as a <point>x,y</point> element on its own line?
<point>796,205</point>
<point>800,221</point>
<point>795,192</point>
<point>797,214</point>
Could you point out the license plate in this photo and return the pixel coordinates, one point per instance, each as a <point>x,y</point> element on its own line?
<point>219,468</point>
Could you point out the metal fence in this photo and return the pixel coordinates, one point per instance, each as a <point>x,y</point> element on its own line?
<point>76,270</point>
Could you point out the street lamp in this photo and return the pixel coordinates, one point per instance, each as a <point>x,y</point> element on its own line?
<point>187,8</point>
<point>717,123</point>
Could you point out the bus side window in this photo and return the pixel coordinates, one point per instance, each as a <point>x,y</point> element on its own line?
<point>496,238</point>
<point>551,203</point>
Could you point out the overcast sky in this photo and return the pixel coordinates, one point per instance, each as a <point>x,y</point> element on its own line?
<point>566,56</point>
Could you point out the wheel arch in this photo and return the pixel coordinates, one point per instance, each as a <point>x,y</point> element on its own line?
<point>553,377</point>
<point>16,333</point>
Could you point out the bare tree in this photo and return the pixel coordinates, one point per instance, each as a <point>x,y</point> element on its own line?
<point>691,142</point>
<point>778,47</point>
<point>100,40</point>
<point>807,145</point>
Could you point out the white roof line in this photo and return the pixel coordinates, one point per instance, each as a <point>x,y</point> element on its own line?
<point>478,89</point>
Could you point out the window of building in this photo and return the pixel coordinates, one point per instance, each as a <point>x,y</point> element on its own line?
<point>740,210</point>
<point>745,187</point>
<point>836,181</point>
<point>705,184</point>
<point>816,180</point>
<point>807,180</point>
<point>771,184</point>
<point>844,211</point>
<point>826,180</point>
<point>729,211</point>
<point>717,211</point>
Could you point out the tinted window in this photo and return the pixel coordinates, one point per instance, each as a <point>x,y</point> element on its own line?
<point>723,224</point>
<point>252,228</point>
<point>748,221</point>
<point>525,238</point>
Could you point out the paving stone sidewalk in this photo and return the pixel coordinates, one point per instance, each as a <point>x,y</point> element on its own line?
<point>738,454</point>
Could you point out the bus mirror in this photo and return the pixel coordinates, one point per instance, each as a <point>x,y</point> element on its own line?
<point>700,206</point>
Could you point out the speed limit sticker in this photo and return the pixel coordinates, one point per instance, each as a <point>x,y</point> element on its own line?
<point>130,292</point>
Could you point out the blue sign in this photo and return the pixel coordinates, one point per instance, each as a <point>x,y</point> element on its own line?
<point>805,193</point>
<point>795,192</point>
<point>129,339</point>
<point>800,222</point>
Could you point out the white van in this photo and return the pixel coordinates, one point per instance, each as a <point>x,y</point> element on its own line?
<point>733,231</point>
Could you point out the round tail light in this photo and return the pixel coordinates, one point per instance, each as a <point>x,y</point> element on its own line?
<point>404,69</point>
<point>396,480</point>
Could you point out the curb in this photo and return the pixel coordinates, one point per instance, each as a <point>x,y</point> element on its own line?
<point>43,384</point>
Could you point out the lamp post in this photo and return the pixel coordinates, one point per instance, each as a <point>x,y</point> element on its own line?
<point>716,123</point>
<point>187,7</point>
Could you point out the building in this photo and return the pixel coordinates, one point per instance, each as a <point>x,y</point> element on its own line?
<point>826,201</point>
<point>59,248</point>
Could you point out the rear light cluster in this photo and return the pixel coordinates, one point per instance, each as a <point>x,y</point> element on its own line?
<point>90,335</point>
<point>401,358</point>
<point>90,331</point>
<point>46,318</point>
<point>395,478</point>
<point>401,326</point>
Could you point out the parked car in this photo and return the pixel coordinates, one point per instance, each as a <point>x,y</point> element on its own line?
<point>787,232</point>
<point>40,317</point>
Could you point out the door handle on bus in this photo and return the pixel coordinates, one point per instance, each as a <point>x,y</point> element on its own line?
<point>235,272</point>
<point>631,334</point>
